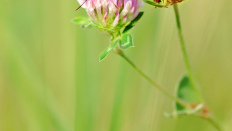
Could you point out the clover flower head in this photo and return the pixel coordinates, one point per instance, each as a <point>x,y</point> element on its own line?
<point>111,15</point>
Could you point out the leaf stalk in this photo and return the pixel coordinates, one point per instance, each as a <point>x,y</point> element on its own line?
<point>187,63</point>
<point>148,78</point>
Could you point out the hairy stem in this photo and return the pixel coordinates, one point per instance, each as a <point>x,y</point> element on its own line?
<point>149,79</point>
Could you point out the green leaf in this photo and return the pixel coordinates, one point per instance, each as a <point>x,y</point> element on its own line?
<point>187,93</point>
<point>126,41</point>
<point>83,22</point>
<point>110,48</point>
<point>133,22</point>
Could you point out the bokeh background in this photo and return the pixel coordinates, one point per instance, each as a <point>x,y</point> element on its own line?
<point>51,78</point>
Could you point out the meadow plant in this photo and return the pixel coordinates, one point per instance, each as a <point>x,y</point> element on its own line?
<point>117,18</point>
<point>187,89</point>
<point>121,40</point>
<point>111,15</point>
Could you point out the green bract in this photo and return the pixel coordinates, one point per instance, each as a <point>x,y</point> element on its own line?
<point>125,42</point>
<point>83,22</point>
<point>117,32</point>
<point>110,48</point>
<point>161,3</point>
<point>111,15</point>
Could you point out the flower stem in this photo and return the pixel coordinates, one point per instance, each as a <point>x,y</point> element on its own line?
<point>209,119</point>
<point>214,123</point>
<point>149,79</point>
<point>183,49</point>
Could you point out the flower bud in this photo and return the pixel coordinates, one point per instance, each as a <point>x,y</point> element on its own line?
<point>111,15</point>
<point>168,1</point>
<point>174,1</point>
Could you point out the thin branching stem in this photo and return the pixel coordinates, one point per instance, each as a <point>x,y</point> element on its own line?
<point>183,48</point>
<point>187,64</point>
<point>214,123</point>
<point>149,79</point>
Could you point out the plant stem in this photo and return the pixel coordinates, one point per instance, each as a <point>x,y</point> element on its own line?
<point>149,79</point>
<point>214,123</point>
<point>187,64</point>
<point>183,49</point>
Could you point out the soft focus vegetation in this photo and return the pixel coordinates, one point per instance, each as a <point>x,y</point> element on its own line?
<point>51,78</point>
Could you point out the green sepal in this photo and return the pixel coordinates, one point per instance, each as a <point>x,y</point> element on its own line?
<point>133,22</point>
<point>186,92</point>
<point>126,41</point>
<point>110,48</point>
<point>177,114</point>
<point>83,22</point>
<point>162,4</point>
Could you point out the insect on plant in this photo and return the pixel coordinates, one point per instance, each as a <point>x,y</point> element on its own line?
<point>81,5</point>
<point>87,0</point>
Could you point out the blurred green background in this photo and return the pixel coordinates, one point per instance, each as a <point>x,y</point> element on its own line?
<point>51,79</point>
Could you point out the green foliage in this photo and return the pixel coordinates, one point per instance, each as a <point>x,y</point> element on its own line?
<point>83,22</point>
<point>187,93</point>
<point>126,41</point>
<point>133,22</point>
<point>110,48</point>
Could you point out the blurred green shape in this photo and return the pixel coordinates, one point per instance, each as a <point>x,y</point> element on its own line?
<point>187,93</point>
<point>126,41</point>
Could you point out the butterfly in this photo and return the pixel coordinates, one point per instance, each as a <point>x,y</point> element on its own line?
<point>87,0</point>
